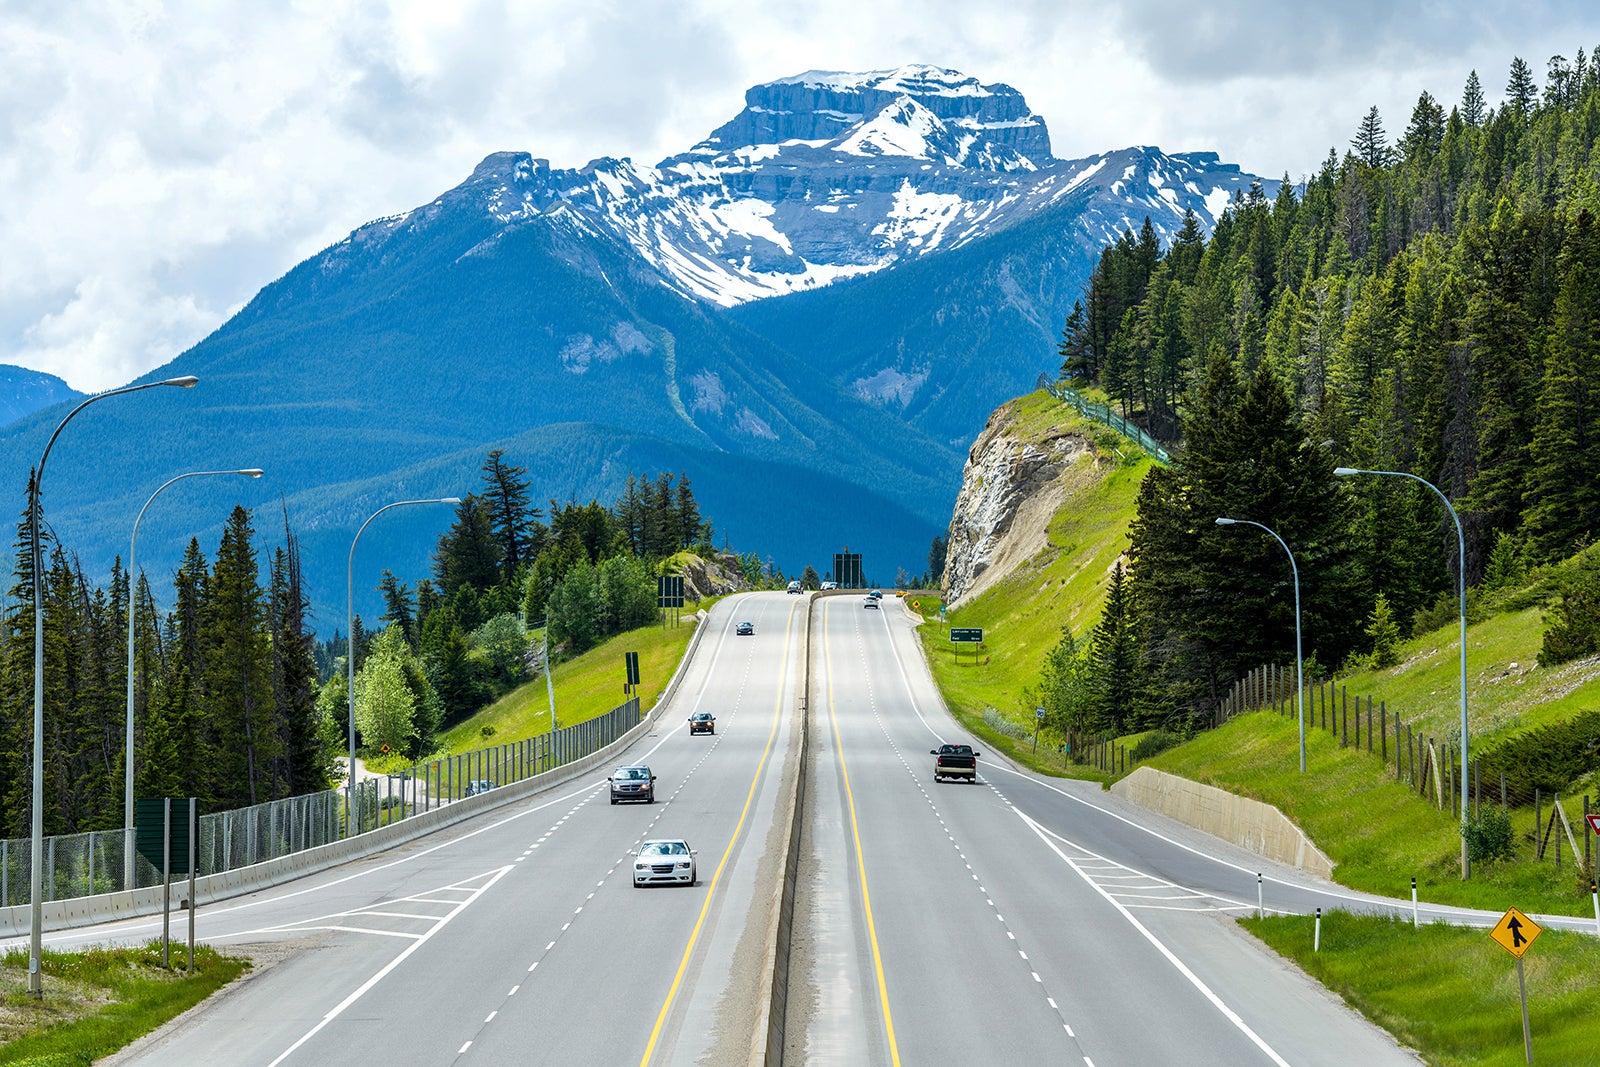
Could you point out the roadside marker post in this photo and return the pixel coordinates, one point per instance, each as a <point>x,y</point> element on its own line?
<point>1316,940</point>
<point>1594,892</point>
<point>1261,912</point>
<point>1414,922</point>
<point>1515,933</point>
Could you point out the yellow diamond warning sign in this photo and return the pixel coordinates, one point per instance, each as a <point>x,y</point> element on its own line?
<point>1515,932</point>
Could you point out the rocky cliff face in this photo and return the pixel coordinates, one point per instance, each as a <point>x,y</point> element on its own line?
<point>712,577</point>
<point>1010,487</point>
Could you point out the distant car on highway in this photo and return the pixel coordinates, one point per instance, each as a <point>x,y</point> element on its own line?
<point>669,862</point>
<point>633,783</point>
<point>702,722</point>
<point>477,786</point>
<point>876,594</point>
<point>869,602</point>
<point>830,585</point>
<point>795,587</point>
<point>745,629</point>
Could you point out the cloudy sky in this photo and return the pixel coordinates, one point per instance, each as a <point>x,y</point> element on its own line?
<point>160,162</point>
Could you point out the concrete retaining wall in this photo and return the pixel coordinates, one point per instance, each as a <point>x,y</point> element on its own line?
<point>1261,828</point>
<point>16,921</point>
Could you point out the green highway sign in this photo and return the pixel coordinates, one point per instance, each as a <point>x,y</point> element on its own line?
<point>149,819</point>
<point>969,635</point>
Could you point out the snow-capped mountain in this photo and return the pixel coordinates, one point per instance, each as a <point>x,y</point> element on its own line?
<point>820,302</point>
<point>825,176</point>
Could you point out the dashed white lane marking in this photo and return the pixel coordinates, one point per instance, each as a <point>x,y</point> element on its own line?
<point>960,853</point>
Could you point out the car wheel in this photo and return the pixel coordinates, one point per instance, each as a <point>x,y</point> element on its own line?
<point>613,800</point>
<point>651,799</point>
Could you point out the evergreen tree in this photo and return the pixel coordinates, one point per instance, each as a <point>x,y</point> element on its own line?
<point>1371,144</point>
<point>687,514</point>
<point>1472,105</point>
<point>512,517</point>
<point>1521,91</point>
<point>398,606</point>
<point>1075,347</point>
<point>1114,658</point>
<point>1563,491</point>
<point>469,554</point>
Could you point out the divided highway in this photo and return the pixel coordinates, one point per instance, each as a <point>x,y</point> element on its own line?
<point>1014,920</point>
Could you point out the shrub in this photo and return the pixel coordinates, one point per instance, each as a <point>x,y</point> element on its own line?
<point>1549,758</point>
<point>1572,625</point>
<point>1002,725</point>
<point>1489,836</point>
<point>1154,742</point>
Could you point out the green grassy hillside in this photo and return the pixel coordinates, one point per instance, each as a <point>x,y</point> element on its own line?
<point>586,686</point>
<point>1062,585</point>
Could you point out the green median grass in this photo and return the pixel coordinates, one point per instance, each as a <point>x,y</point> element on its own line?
<point>99,1000</point>
<point>1451,992</point>
<point>1376,830</point>
<point>587,686</point>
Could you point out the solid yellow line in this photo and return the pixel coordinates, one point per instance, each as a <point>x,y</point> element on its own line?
<point>855,832</point>
<point>683,965</point>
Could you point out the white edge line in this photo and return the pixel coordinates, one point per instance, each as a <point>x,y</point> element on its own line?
<point>384,971</point>
<point>1183,969</point>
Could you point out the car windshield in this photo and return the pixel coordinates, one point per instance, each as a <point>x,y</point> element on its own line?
<point>664,848</point>
<point>702,716</point>
<point>632,772</point>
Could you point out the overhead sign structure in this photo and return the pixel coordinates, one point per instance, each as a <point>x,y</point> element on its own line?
<point>847,570</point>
<point>960,635</point>
<point>1515,932</point>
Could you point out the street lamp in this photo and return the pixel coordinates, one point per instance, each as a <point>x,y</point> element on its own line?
<point>1299,682</point>
<point>127,769</point>
<point>36,879</point>
<point>350,639</point>
<point>1461,591</point>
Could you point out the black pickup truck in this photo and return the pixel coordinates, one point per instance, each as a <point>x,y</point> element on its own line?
<point>955,761</point>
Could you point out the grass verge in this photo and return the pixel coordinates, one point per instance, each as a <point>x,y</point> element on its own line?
<point>1377,831</point>
<point>99,1000</point>
<point>586,686</point>
<point>1451,992</point>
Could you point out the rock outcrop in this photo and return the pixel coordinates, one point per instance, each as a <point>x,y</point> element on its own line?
<point>1010,488</point>
<point>716,576</point>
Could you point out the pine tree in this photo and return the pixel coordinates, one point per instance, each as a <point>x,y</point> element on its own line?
<point>1521,91</point>
<point>306,762</point>
<point>1114,656</point>
<point>1472,105</point>
<point>236,675</point>
<point>506,494</point>
<point>469,554</point>
<point>1075,348</point>
<point>687,514</point>
<point>1370,143</point>
<point>398,606</point>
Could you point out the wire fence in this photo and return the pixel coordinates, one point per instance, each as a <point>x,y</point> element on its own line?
<point>91,863</point>
<point>1102,413</point>
<point>1428,766</point>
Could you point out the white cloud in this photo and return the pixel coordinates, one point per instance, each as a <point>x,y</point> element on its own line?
<point>161,161</point>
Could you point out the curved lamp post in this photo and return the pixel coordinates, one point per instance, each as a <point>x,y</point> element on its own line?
<point>127,768</point>
<point>36,879</point>
<point>350,641</point>
<point>1299,682</point>
<point>1461,593</point>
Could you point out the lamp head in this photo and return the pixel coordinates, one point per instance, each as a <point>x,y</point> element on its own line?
<point>451,500</point>
<point>186,382</point>
<point>251,472</point>
<point>1343,471</point>
<point>1226,522</point>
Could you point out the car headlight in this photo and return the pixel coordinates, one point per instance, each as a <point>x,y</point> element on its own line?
<point>683,865</point>
<point>641,866</point>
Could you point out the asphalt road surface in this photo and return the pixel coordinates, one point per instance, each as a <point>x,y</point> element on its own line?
<point>1017,920</point>
<point>1014,920</point>
<point>519,937</point>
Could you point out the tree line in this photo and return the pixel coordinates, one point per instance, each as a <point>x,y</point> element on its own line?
<point>505,568</point>
<point>225,684</point>
<point>1428,306</point>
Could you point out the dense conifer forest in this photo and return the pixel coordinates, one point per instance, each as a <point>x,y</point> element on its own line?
<point>1427,303</point>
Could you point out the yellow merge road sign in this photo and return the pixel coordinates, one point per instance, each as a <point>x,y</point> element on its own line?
<point>1515,932</point>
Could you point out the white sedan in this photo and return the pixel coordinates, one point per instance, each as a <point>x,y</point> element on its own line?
<point>668,862</point>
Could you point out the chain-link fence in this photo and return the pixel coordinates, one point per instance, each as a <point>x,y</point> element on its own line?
<point>88,864</point>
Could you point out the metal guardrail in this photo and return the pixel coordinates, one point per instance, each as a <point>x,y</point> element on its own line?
<point>90,864</point>
<point>1101,413</point>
